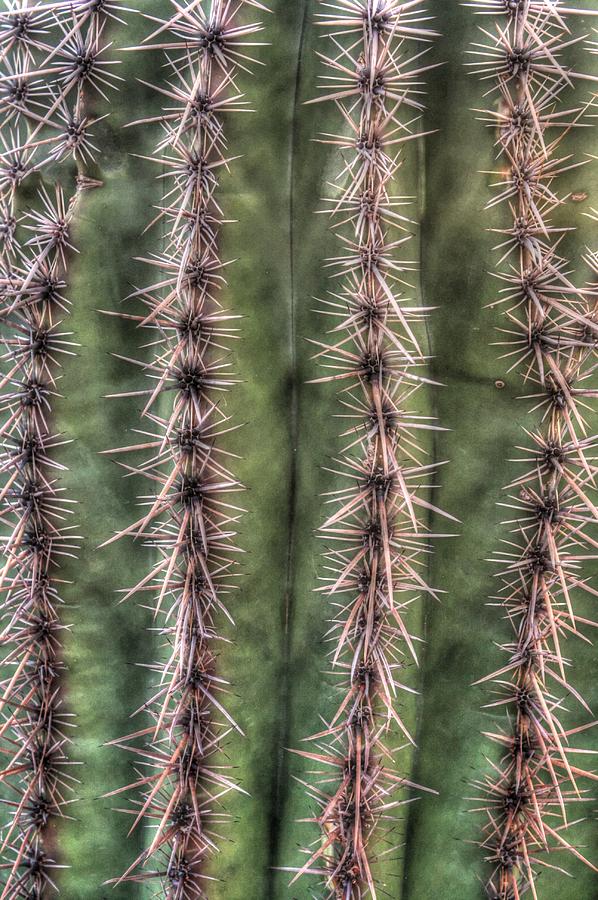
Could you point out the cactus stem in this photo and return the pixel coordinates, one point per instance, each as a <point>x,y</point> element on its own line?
<point>49,63</point>
<point>189,518</point>
<point>378,532</point>
<point>551,332</point>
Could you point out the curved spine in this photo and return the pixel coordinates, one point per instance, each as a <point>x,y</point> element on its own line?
<point>550,336</point>
<point>50,65</point>
<point>190,523</point>
<point>378,532</point>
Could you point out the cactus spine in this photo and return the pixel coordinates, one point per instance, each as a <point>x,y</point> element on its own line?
<point>378,531</point>
<point>52,64</point>
<point>191,518</point>
<point>550,339</point>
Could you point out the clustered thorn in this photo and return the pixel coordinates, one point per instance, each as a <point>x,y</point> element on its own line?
<point>551,341</point>
<point>379,531</point>
<point>46,86</point>
<point>189,522</point>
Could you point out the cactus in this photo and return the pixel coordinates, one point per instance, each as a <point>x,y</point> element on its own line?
<point>377,530</point>
<point>52,64</point>
<point>549,337</point>
<point>192,517</point>
<point>335,754</point>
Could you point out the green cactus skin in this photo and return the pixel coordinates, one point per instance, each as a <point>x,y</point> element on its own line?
<point>277,658</point>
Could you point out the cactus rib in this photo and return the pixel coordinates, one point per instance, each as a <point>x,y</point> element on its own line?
<point>378,531</point>
<point>50,63</point>
<point>190,520</point>
<point>550,339</point>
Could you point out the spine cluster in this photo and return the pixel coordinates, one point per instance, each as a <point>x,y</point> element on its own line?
<point>378,530</point>
<point>550,336</point>
<point>51,63</point>
<point>190,520</point>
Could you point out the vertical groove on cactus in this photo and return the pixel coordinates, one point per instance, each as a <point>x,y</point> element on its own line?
<point>51,64</point>
<point>183,775</point>
<point>378,533</point>
<point>550,339</point>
